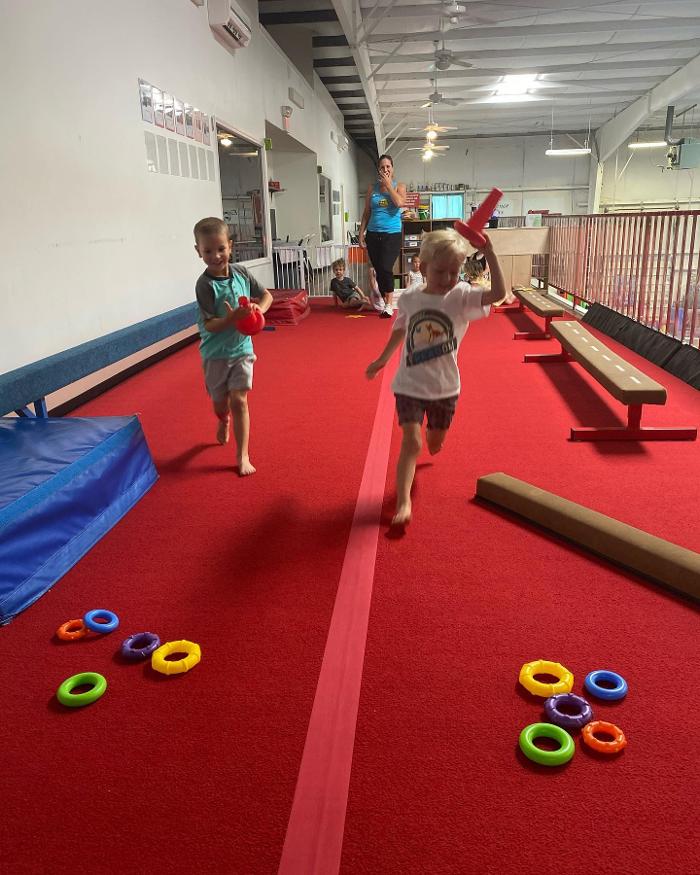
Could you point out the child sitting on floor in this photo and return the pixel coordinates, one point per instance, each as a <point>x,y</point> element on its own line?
<point>475,271</point>
<point>345,290</point>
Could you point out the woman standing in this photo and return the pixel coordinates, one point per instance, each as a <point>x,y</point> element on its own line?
<point>380,229</point>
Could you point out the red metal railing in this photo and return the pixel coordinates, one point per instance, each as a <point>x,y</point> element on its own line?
<point>643,265</point>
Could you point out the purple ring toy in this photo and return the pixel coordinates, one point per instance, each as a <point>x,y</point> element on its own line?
<point>140,645</point>
<point>569,700</point>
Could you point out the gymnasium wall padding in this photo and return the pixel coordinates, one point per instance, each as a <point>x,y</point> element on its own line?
<point>24,385</point>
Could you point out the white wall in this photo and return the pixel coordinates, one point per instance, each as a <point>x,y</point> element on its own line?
<point>296,208</point>
<point>517,165</point>
<point>642,184</point>
<point>91,241</point>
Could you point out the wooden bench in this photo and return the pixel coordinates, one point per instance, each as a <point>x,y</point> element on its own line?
<point>542,306</point>
<point>621,379</point>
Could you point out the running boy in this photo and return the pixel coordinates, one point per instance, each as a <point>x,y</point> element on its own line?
<point>227,355</point>
<point>345,290</point>
<point>431,323</point>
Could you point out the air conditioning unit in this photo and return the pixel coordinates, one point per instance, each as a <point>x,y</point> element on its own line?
<point>229,22</point>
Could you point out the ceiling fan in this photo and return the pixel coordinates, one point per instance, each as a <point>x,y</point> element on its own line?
<point>436,97</point>
<point>446,58</point>
<point>432,129</point>
<point>428,146</point>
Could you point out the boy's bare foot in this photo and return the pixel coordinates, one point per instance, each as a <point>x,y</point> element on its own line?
<point>402,515</point>
<point>244,467</point>
<point>222,431</point>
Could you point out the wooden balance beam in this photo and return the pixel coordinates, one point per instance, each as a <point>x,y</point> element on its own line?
<point>667,563</point>
<point>540,305</point>
<point>621,379</point>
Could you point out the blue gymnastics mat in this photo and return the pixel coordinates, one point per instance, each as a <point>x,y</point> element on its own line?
<point>63,484</point>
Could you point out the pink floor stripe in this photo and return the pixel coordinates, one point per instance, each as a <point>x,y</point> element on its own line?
<point>314,839</point>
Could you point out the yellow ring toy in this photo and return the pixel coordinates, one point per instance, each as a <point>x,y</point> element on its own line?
<point>176,666</point>
<point>543,666</point>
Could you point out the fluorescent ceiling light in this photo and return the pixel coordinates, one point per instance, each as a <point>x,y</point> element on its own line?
<point>516,83</point>
<point>567,152</point>
<point>655,144</point>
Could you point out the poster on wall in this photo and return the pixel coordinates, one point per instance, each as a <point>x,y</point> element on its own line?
<point>206,130</point>
<point>189,121</point>
<point>158,116</point>
<point>146,97</point>
<point>169,111</point>
<point>197,116</point>
<point>179,117</point>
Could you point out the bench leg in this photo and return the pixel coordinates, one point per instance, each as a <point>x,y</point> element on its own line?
<point>562,356</point>
<point>507,308</point>
<point>39,410</point>
<point>535,335</point>
<point>633,431</point>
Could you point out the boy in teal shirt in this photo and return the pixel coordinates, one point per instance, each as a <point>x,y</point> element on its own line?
<point>227,355</point>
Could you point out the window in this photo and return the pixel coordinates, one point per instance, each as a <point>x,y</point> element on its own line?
<point>241,171</point>
<point>448,206</point>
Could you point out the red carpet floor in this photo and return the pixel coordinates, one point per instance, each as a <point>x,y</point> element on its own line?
<point>199,771</point>
<point>469,595</point>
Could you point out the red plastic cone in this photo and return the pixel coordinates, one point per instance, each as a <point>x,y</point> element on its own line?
<point>472,229</point>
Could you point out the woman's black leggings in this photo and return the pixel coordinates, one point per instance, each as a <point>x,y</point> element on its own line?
<point>383,250</point>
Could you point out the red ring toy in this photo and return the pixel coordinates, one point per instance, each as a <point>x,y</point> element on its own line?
<point>615,746</point>
<point>72,630</point>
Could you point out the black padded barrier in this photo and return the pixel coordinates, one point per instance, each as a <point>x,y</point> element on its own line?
<point>679,359</point>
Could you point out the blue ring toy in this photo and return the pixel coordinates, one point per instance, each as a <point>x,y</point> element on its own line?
<point>611,694</point>
<point>140,645</point>
<point>568,721</point>
<point>90,620</point>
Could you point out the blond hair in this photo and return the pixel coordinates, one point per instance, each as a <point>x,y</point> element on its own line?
<point>446,243</point>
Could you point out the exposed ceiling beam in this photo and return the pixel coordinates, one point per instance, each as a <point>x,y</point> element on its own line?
<point>577,28</point>
<point>532,7</point>
<point>350,17</point>
<point>613,133</point>
<point>570,50</point>
<point>661,67</point>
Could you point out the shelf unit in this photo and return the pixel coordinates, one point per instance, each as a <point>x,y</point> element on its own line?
<point>412,229</point>
<point>411,232</point>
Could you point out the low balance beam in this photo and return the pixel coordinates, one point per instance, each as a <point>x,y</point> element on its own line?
<point>669,564</point>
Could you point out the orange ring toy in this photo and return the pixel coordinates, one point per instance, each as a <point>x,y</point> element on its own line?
<point>588,734</point>
<point>72,630</point>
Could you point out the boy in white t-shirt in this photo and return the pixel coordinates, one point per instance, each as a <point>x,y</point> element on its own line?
<point>431,323</point>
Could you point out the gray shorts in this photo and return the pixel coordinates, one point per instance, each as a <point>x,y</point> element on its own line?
<point>222,376</point>
<point>439,411</point>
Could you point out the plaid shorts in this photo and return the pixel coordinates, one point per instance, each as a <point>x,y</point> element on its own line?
<point>439,410</point>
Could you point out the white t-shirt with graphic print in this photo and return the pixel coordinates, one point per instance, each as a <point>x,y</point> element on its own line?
<point>434,326</point>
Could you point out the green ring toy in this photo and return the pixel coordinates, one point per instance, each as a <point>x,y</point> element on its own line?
<point>546,757</point>
<point>66,697</point>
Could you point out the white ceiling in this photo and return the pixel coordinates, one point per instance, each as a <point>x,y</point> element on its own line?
<point>591,60</point>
